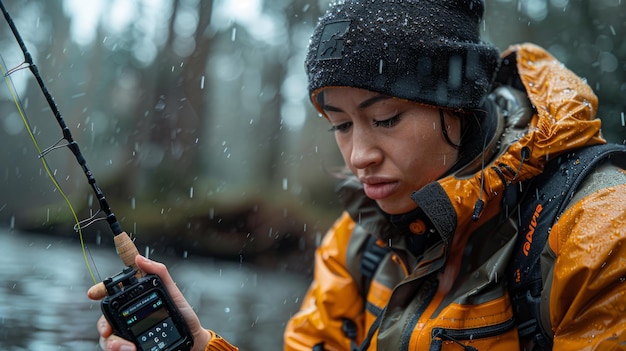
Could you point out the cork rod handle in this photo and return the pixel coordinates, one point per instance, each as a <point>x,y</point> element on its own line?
<point>127,251</point>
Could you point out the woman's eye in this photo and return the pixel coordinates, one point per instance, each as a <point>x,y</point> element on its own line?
<point>343,127</point>
<point>387,123</point>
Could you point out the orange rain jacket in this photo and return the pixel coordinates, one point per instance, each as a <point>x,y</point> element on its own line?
<point>458,283</point>
<point>457,287</point>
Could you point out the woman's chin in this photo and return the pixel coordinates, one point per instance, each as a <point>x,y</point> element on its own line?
<point>396,208</point>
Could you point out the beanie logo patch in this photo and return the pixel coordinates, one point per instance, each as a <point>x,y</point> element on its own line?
<point>332,42</point>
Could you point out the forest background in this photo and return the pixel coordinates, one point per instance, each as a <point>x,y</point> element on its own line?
<point>195,119</point>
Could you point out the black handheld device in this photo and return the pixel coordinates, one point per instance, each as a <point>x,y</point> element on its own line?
<point>141,311</point>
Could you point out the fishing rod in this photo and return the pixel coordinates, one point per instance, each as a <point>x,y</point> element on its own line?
<point>125,246</point>
<point>137,306</point>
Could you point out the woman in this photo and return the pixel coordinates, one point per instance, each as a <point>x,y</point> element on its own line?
<point>450,146</point>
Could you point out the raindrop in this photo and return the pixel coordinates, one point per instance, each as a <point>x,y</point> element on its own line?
<point>202,82</point>
<point>380,67</point>
<point>132,203</point>
<point>285,184</point>
<point>227,309</point>
<point>608,62</point>
<point>233,34</point>
<point>623,120</point>
<point>191,192</point>
<point>185,254</point>
<point>160,106</point>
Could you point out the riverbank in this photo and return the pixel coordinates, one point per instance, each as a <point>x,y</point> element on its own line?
<point>44,279</point>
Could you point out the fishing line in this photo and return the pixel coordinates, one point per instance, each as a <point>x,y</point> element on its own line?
<point>18,105</point>
<point>124,245</point>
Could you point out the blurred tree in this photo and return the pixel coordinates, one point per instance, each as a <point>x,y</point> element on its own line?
<point>585,35</point>
<point>190,112</point>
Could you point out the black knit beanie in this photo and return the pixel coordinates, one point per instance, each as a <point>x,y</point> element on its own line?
<point>427,51</point>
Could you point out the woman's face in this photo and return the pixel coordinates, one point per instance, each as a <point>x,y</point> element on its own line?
<point>393,146</point>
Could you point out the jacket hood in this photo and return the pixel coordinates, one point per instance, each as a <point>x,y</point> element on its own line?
<point>539,105</point>
<point>563,118</point>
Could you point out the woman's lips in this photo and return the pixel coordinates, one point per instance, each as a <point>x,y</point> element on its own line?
<point>378,190</point>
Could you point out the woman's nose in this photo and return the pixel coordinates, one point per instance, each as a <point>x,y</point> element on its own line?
<point>365,151</point>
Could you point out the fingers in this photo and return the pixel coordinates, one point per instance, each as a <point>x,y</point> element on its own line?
<point>115,343</point>
<point>111,342</point>
<point>158,268</point>
<point>153,267</point>
<point>200,335</point>
<point>103,327</point>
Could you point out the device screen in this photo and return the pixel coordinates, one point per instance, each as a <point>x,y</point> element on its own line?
<point>150,322</point>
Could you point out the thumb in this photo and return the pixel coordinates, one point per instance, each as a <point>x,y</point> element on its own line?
<point>98,291</point>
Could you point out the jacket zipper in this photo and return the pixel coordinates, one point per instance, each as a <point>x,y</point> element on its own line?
<point>430,294</point>
<point>439,335</point>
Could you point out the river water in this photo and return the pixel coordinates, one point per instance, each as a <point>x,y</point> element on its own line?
<point>43,302</point>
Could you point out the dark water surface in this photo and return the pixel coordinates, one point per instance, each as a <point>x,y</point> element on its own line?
<point>43,302</point>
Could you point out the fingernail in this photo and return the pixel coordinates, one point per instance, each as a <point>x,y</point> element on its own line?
<point>123,347</point>
<point>102,326</point>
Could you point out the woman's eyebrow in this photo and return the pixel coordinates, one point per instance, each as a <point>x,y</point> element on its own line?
<point>364,104</point>
<point>371,101</point>
<point>331,108</point>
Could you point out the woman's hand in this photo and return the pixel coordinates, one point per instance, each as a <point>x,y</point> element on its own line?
<point>111,342</point>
